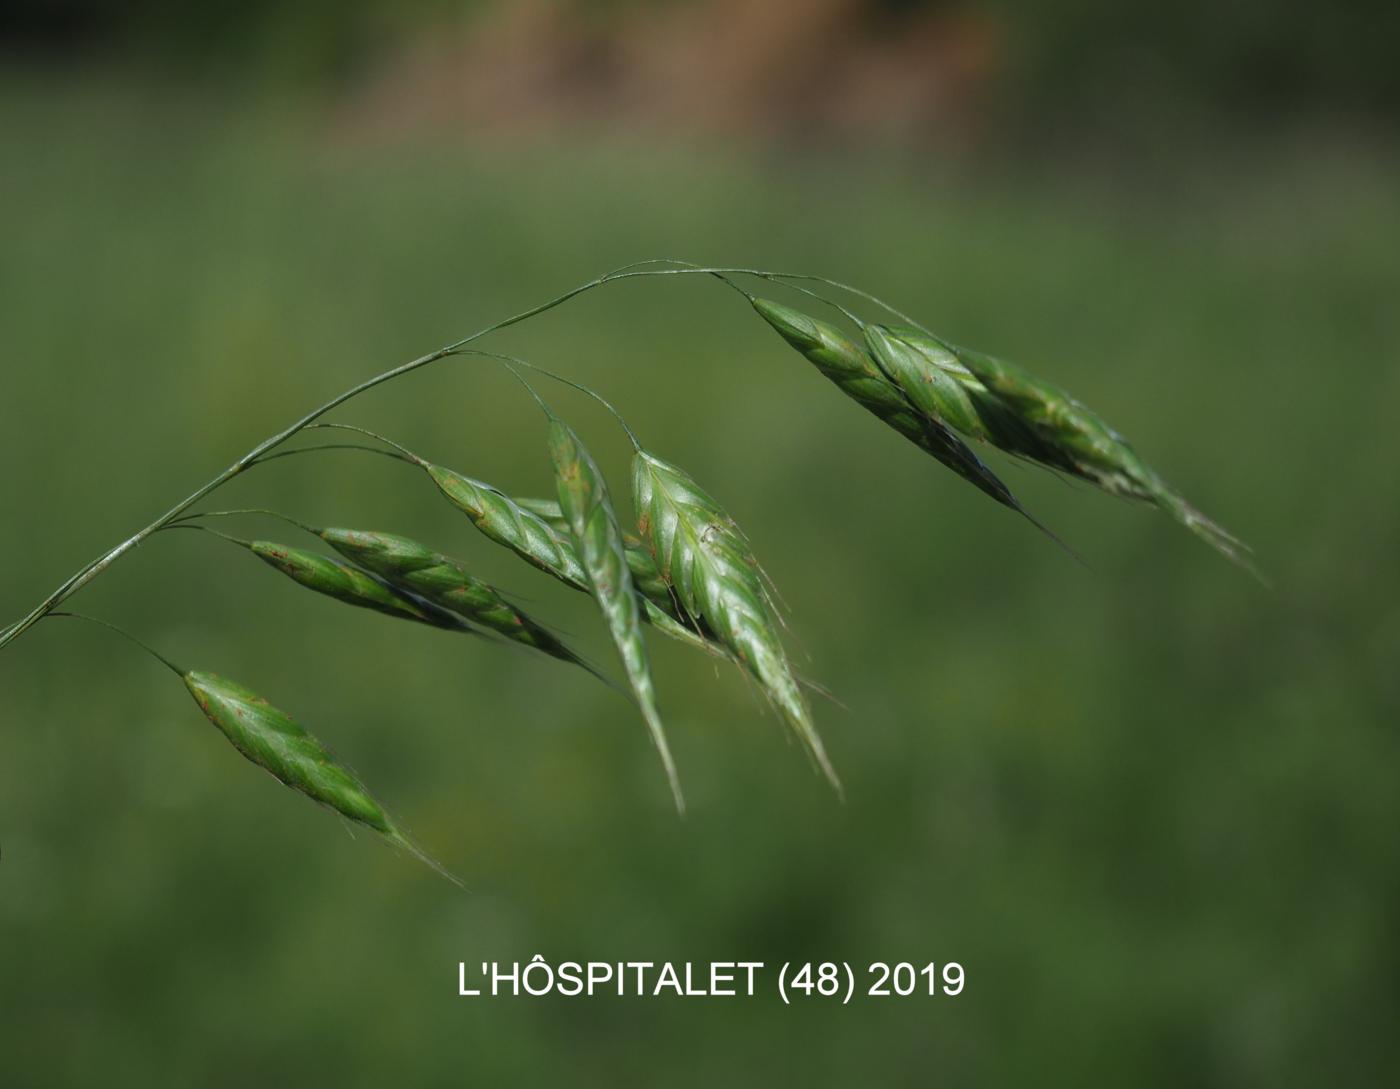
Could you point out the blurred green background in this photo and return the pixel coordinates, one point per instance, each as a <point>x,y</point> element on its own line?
<point>1150,807</point>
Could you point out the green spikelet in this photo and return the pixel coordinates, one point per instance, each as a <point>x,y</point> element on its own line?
<point>1085,445</point>
<point>854,371</point>
<point>547,510</point>
<point>706,561</point>
<point>275,742</point>
<point>597,538</point>
<point>925,380</point>
<point>506,522</point>
<point>999,423</point>
<point>445,582</point>
<point>351,585</point>
<point>645,577</point>
<point>535,530</point>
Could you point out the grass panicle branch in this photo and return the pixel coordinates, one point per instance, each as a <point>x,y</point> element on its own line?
<point>141,643</point>
<point>97,566</point>
<point>690,572</point>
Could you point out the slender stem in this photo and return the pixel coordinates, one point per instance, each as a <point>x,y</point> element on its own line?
<point>852,318</point>
<point>778,277</point>
<point>185,524</point>
<point>126,635</point>
<point>512,361</point>
<point>330,446</point>
<point>188,519</point>
<point>534,393</point>
<point>97,566</point>
<point>403,454</point>
<point>900,314</point>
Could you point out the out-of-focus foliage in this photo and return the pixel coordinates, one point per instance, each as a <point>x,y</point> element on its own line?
<point>1030,60</point>
<point>1245,58</point>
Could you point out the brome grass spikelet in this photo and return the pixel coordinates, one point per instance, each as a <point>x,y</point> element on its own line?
<point>597,537</point>
<point>706,561</point>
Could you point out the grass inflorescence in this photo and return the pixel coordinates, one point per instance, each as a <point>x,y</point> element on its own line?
<point>682,566</point>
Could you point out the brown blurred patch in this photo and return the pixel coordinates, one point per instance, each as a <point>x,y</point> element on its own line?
<point>799,70</point>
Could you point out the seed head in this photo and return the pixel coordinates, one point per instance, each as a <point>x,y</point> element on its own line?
<point>506,522</point>
<point>1000,423</point>
<point>924,378</point>
<point>351,585</point>
<point>855,373</point>
<point>278,744</point>
<point>597,539</point>
<point>445,582</point>
<point>1068,436</point>
<point>560,559</point>
<point>706,560</point>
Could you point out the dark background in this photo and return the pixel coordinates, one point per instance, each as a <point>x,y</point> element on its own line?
<point>1148,805</point>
